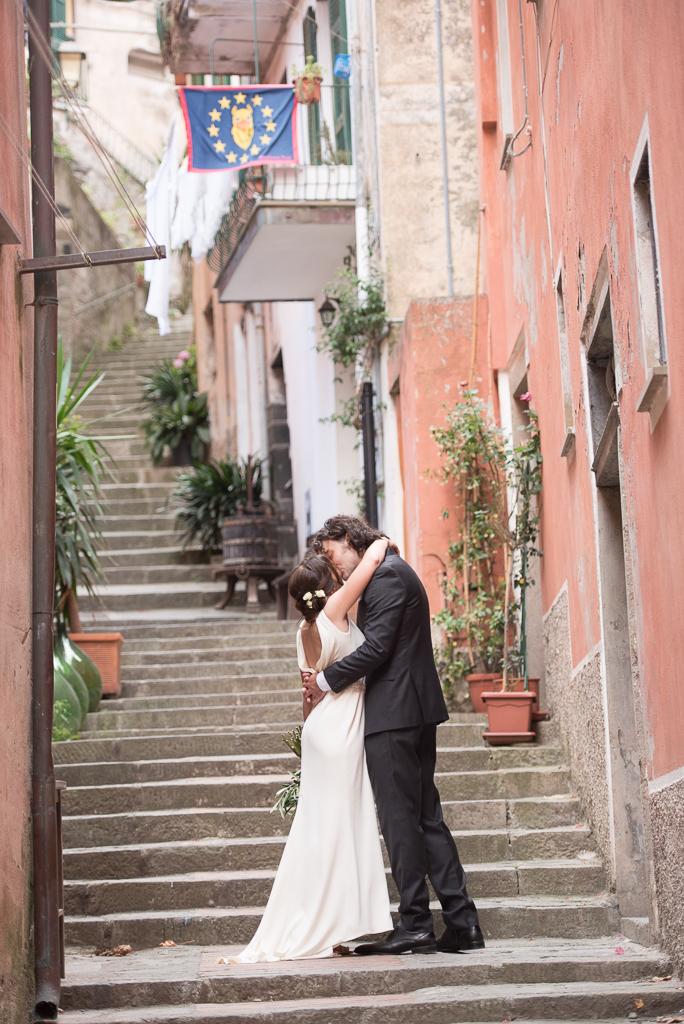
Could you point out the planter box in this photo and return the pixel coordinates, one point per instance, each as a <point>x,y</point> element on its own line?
<point>479,683</point>
<point>105,650</point>
<point>510,717</point>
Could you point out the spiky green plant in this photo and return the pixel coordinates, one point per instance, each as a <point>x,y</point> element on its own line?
<point>287,798</point>
<point>207,494</point>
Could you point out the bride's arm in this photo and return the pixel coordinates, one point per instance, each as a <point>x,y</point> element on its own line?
<point>339,604</point>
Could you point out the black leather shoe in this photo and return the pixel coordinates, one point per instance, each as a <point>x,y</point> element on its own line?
<point>461,940</point>
<point>399,941</point>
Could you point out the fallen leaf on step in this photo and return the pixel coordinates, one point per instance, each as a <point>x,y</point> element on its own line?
<point>658,977</point>
<point>670,1020</point>
<point>639,1003</point>
<point>620,950</point>
<point>167,943</point>
<point>114,951</point>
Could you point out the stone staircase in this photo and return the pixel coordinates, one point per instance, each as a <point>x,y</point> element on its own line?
<point>169,836</point>
<point>145,565</point>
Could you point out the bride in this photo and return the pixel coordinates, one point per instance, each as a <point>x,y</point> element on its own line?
<point>330,886</point>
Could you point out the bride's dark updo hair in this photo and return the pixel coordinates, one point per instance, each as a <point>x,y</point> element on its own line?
<point>312,583</point>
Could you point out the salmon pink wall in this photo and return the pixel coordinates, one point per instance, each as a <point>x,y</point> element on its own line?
<point>430,360</point>
<point>596,73</point>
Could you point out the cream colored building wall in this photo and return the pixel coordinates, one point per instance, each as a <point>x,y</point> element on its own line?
<point>139,106</point>
<point>405,181</point>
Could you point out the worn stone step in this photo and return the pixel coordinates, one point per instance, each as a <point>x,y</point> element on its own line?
<point>190,823</point>
<point>151,475</point>
<point>119,575</point>
<point>157,520</point>
<point>132,558</point>
<point>432,1005</point>
<point>122,597</point>
<point>249,888</point>
<point>149,670</point>
<point>282,652</point>
<point>211,854</point>
<point>100,773</point>
<point>159,491</point>
<point>511,917</point>
<point>179,688</point>
<point>188,716</point>
<point>269,634</point>
<point>193,975</point>
<point>160,633</point>
<point>114,540</point>
<point>137,506</point>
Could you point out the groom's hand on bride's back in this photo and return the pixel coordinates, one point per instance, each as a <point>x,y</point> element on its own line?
<point>310,692</point>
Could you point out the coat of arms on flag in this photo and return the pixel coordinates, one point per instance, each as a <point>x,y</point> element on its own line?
<point>234,126</point>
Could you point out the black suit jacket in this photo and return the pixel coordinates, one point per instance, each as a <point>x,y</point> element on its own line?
<point>402,685</point>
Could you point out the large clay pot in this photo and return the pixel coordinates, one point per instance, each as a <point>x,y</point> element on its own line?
<point>479,683</point>
<point>67,720</point>
<point>105,651</point>
<point>250,541</point>
<point>307,90</point>
<point>88,671</point>
<point>510,716</point>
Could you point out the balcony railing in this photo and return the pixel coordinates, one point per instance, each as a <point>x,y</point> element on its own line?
<point>325,176</point>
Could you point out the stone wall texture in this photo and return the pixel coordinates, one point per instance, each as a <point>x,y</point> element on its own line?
<point>667,829</point>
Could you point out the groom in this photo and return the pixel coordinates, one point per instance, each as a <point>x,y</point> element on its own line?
<point>404,705</point>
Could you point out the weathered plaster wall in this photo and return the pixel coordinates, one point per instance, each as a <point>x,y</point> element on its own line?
<point>411,212</point>
<point>16,967</point>
<point>667,825</point>
<point>96,305</point>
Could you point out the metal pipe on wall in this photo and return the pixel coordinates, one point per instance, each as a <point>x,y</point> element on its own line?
<point>370,482</point>
<point>44,815</point>
<point>444,148</point>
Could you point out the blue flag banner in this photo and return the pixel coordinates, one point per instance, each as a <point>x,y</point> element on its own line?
<point>234,126</point>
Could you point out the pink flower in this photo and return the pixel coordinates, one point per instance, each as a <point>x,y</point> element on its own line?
<point>184,355</point>
<point>527,397</point>
<point>620,950</point>
<point>179,363</point>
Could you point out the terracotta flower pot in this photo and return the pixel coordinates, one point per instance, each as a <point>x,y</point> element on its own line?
<point>510,716</point>
<point>105,650</point>
<point>308,90</point>
<point>479,683</point>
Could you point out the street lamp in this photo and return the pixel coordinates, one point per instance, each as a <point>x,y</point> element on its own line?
<point>71,62</point>
<point>327,312</point>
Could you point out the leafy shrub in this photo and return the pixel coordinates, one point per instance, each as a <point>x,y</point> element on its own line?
<point>179,412</point>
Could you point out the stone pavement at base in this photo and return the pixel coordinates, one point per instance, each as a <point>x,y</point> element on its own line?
<point>169,836</point>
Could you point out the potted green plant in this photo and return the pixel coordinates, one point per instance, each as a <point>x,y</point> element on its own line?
<point>510,709</point>
<point>208,494</point>
<point>472,622</point>
<point>178,422</point>
<point>307,81</point>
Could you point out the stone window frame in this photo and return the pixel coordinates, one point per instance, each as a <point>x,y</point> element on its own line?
<point>504,78</point>
<point>652,324</point>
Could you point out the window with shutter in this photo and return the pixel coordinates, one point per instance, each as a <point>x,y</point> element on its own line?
<point>341,104</point>
<point>58,13</point>
<point>313,110</point>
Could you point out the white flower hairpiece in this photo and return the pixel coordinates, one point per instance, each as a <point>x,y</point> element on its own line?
<point>308,597</point>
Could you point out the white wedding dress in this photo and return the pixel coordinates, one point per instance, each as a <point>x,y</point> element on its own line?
<point>330,886</point>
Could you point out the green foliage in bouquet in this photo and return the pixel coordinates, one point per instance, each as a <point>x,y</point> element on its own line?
<point>288,797</point>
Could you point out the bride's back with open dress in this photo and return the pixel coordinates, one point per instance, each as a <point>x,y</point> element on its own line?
<point>330,886</point>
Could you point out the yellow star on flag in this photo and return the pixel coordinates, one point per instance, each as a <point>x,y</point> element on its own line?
<point>257,101</point>
<point>215,114</point>
<point>265,139</point>
<point>243,158</point>
<point>240,97</point>
<point>231,158</point>
<point>224,102</point>
<point>271,126</point>
<point>267,112</point>
<point>213,130</point>
<point>220,147</point>
<point>254,151</point>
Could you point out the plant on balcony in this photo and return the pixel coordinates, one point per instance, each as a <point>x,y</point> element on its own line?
<point>208,494</point>
<point>179,417</point>
<point>473,620</point>
<point>307,81</point>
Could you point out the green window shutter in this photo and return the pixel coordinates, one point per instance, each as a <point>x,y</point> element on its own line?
<point>58,13</point>
<point>341,106</point>
<point>313,113</point>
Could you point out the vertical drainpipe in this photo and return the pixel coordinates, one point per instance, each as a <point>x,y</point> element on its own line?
<point>444,148</point>
<point>45,868</point>
<point>362,261</point>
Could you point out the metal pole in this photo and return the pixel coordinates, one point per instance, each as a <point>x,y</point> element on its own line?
<point>256,40</point>
<point>370,483</point>
<point>445,155</point>
<point>45,865</point>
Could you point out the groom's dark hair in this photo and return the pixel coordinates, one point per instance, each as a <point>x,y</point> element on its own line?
<point>350,528</point>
